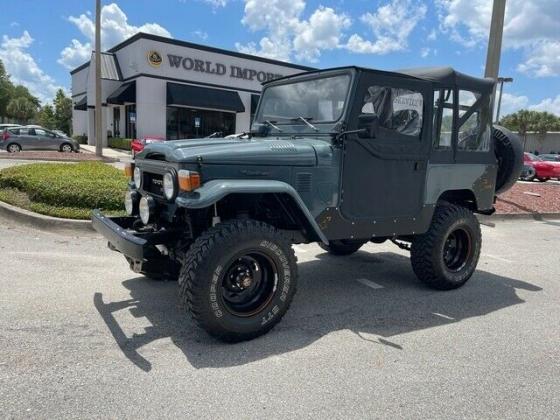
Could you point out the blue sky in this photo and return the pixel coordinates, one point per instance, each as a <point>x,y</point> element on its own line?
<point>42,39</point>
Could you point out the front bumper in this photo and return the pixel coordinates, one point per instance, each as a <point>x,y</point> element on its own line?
<point>138,246</point>
<point>118,231</point>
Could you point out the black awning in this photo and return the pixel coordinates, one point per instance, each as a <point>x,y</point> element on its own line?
<point>202,97</point>
<point>81,105</point>
<point>125,93</point>
<point>254,103</point>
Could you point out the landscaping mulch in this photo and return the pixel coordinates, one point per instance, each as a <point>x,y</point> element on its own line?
<point>55,156</point>
<point>530,198</point>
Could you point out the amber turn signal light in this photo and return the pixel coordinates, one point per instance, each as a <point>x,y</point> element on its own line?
<point>128,170</point>
<point>188,180</point>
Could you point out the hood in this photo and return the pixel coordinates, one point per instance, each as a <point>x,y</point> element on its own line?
<point>260,151</point>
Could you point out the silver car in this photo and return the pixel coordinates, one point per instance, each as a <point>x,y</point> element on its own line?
<point>33,138</point>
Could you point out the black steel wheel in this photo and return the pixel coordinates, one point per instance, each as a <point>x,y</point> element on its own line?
<point>238,279</point>
<point>445,257</point>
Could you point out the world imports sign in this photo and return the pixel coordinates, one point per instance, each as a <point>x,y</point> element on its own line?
<point>210,67</point>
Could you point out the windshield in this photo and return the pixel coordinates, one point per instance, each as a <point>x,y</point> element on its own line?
<point>315,100</point>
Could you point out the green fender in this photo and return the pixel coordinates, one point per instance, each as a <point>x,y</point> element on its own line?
<point>213,191</point>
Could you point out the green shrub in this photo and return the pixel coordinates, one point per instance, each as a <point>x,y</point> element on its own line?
<point>118,143</point>
<point>71,188</point>
<point>81,139</point>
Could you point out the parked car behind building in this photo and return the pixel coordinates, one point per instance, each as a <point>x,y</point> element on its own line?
<point>35,138</point>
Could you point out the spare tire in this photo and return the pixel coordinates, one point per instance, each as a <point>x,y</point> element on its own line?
<point>509,152</point>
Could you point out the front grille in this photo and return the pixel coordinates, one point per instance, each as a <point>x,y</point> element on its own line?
<point>153,183</point>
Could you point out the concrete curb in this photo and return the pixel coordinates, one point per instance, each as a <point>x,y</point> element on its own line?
<point>51,159</point>
<point>42,222</point>
<point>518,216</point>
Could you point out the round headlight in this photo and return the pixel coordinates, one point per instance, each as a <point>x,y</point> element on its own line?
<point>131,202</point>
<point>137,177</point>
<point>128,203</point>
<point>145,209</point>
<point>169,185</point>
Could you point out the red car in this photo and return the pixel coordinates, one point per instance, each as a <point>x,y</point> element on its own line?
<point>138,145</point>
<point>537,168</point>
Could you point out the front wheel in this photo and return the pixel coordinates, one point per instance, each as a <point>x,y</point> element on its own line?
<point>543,179</point>
<point>66,148</point>
<point>238,279</point>
<point>446,256</point>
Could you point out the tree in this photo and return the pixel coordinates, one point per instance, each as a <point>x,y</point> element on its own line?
<point>6,92</point>
<point>47,117</point>
<point>21,109</point>
<point>63,112</point>
<point>21,91</point>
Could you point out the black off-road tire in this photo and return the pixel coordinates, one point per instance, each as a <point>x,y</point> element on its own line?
<point>341,247</point>
<point>427,252</point>
<point>509,154</point>
<point>206,272</point>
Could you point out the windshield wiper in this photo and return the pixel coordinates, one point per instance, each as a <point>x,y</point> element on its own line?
<point>306,121</point>
<point>270,123</point>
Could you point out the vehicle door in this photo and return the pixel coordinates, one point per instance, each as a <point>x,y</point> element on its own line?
<point>24,137</point>
<point>384,168</point>
<point>45,140</point>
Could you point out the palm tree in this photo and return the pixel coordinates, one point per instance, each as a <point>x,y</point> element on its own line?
<point>22,109</point>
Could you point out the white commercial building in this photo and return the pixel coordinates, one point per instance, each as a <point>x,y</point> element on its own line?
<point>156,86</point>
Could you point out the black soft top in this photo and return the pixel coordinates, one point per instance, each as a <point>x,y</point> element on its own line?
<point>446,76</point>
<point>439,76</point>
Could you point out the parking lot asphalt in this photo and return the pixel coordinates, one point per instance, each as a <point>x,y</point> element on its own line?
<point>82,336</point>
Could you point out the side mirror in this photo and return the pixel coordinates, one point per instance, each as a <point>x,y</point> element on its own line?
<point>370,124</point>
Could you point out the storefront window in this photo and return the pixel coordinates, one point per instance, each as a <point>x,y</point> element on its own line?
<point>188,123</point>
<point>130,112</point>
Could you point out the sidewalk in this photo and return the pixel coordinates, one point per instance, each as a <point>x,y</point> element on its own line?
<point>107,152</point>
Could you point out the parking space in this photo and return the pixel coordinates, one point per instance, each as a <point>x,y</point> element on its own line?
<point>83,336</point>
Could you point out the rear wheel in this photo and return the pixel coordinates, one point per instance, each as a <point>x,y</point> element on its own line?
<point>342,247</point>
<point>13,148</point>
<point>446,256</point>
<point>238,279</point>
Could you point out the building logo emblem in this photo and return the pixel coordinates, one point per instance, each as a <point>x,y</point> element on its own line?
<point>154,58</point>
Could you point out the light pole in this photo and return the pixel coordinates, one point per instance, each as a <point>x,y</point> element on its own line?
<point>98,110</point>
<point>501,81</point>
<point>495,43</point>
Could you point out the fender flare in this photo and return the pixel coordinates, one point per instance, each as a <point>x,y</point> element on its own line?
<point>213,191</point>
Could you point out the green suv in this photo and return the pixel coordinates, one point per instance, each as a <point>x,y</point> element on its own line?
<point>339,157</point>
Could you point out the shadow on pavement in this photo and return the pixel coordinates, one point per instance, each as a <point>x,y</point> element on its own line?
<point>328,299</point>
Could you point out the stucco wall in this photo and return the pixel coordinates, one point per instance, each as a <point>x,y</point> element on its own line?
<point>551,143</point>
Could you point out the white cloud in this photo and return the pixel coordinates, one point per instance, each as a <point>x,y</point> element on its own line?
<point>201,34</point>
<point>216,3</point>
<point>544,60</point>
<point>287,34</point>
<point>23,68</point>
<point>114,29</point>
<point>551,105</point>
<point>391,25</point>
<point>512,103</point>
<point>530,25</point>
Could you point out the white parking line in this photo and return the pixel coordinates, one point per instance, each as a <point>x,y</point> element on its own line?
<point>299,248</point>
<point>444,316</point>
<point>495,257</point>
<point>369,283</point>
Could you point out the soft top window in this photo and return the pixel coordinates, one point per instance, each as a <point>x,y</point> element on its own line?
<point>397,109</point>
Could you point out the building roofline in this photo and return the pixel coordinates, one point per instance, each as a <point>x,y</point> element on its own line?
<point>86,64</point>
<point>171,41</point>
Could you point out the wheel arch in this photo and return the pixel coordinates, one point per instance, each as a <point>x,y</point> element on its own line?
<point>461,197</point>
<point>289,201</point>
